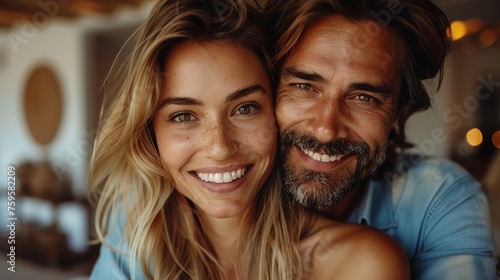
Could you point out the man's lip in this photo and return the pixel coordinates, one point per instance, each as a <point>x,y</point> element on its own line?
<point>322,157</point>
<point>321,166</point>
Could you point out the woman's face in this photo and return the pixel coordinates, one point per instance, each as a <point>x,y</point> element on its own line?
<point>215,125</point>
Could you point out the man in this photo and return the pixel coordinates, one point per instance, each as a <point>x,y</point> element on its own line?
<point>350,76</point>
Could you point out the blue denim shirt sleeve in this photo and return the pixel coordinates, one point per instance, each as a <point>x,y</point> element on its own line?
<point>440,216</point>
<point>458,235</point>
<point>114,264</point>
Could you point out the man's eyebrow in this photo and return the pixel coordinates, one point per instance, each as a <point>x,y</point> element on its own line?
<point>383,89</point>
<point>308,76</point>
<point>192,101</point>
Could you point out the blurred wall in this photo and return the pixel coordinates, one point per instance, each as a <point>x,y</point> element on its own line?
<point>58,45</point>
<point>441,130</point>
<point>63,45</point>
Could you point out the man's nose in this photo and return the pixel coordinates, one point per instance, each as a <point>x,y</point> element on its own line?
<point>329,120</point>
<point>220,140</point>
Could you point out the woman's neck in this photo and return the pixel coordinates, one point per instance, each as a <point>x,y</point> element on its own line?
<point>224,235</point>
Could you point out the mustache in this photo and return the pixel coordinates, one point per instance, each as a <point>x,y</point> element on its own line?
<point>339,146</point>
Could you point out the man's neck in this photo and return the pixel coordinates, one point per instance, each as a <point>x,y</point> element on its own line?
<point>343,209</point>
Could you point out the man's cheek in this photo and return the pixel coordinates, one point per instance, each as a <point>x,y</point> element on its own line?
<point>288,116</point>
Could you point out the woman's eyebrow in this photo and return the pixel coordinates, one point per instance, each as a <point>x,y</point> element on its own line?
<point>246,91</point>
<point>192,101</point>
<point>179,101</point>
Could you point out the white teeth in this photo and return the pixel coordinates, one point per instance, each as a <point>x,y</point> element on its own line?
<point>228,177</point>
<point>218,178</point>
<point>325,158</point>
<point>317,157</point>
<point>225,177</point>
<point>321,157</point>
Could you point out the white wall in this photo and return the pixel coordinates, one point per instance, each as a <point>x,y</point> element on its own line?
<point>60,46</point>
<point>427,129</point>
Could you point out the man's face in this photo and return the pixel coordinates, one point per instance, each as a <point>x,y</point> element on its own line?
<point>336,105</point>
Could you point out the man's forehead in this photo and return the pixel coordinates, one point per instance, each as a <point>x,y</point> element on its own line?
<point>362,36</point>
<point>335,48</point>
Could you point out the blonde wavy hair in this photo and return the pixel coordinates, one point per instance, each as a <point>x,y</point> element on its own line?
<point>126,173</point>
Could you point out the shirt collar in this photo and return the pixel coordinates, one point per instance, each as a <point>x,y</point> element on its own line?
<point>376,208</point>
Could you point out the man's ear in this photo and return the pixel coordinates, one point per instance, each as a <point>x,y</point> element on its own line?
<point>395,128</point>
<point>395,121</point>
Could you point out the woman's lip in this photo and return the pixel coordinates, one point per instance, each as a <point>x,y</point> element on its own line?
<point>221,169</point>
<point>223,187</point>
<point>222,177</point>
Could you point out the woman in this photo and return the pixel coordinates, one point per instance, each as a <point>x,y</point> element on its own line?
<point>183,168</point>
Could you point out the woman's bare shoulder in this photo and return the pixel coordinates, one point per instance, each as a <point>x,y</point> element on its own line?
<point>350,251</point>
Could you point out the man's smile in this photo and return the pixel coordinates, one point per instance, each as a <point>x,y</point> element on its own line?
<point>320,156</point>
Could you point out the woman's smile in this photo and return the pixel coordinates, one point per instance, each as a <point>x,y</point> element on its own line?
<point>221,177</point>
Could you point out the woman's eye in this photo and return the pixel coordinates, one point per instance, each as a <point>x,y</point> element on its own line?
<point>246,109</point>
<point>182,117</point>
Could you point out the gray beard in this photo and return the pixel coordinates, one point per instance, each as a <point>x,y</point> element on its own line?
<point>317,190</point>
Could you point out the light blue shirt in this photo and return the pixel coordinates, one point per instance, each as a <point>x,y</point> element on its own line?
<point>114,264</point>
<point>438,213</point>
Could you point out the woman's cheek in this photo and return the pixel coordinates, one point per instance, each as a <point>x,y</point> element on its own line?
<point>265,135</point>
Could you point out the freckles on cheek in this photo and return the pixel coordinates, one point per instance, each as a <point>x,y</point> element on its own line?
<point>268,137</point>
<point>262,134</point>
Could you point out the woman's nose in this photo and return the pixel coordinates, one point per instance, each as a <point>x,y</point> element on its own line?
<point>220,140</point>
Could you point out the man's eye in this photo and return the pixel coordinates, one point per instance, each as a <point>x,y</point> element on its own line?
<point>182,117</point>
<point>364,97</point>
<point>246,109</point>
<point>306,87</point>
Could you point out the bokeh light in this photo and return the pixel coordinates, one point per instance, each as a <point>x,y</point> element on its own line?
<point>495,138</point>
<point>487,37</point>
<point>474,25</point>
<point>474,137</point>
<point>458,30</point>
